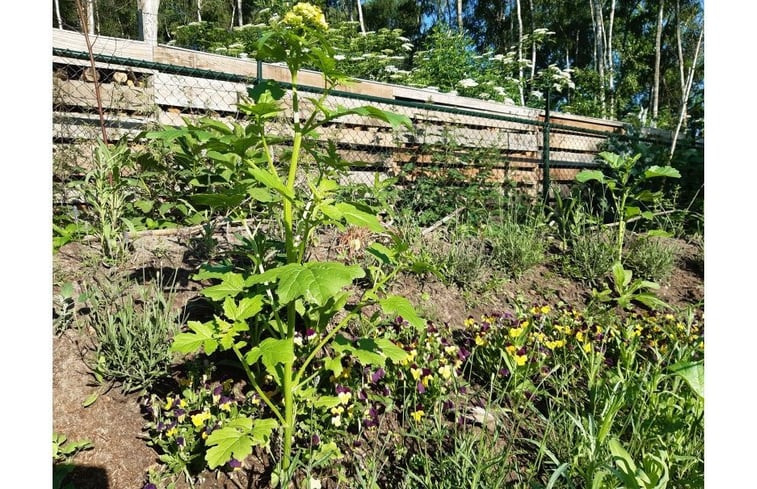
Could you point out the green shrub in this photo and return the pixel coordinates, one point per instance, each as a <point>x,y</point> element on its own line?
<point>650,258</point>
<point>589,256</point>
<point>132,336</point>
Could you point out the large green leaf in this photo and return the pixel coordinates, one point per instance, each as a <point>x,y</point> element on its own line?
<point>231,285</point>
<point>203,336</point>
<point>315,282</point>
<point>272,352</point>
<point>692,373</point>
<point>244,309</point>
<point>352,215</point>
<point>395,305</point>
<point>270,86</point>
<point>390,350</point>
<point>661,171</point>
<point>236,440</point>
<point>587,175</point>
<point>396,120</point>
<point>384,254</point>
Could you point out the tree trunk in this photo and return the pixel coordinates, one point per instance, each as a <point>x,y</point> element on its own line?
<point>610,61</point>
<point>57,14</point>
<point>148,20</point>
<point>460,15</point>
<point>240,19</point>
<point>599,50</point>
<point>657,55</point>
<point>533,41</point>
<point>520,54</point>
<point>91,17</point>
<point>360,16</point>
<point>199,10</point>
<point>682,75</point>
<point>685,97</point>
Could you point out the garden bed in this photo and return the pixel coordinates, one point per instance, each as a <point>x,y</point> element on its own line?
<point>115,422</point>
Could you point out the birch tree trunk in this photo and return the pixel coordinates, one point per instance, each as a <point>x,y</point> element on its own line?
<point>685,97</point>
<point>240,20</point>
<point>57,14</point>
<point>520,54</point>
<point>460,15</point>
<point>533,42</point>
<point>148,23</point>
<point>610,61</point>
<point>682,75</point>
<point>657,55</point>
<point>91,17</point>
<point>600,55</point>
<point>199,10</point>
<point>360,16</point>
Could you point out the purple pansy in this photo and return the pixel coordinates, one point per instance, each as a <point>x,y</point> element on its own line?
<point>378,375</point>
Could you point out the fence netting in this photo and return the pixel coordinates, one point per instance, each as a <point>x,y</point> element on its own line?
<point>447,147</point>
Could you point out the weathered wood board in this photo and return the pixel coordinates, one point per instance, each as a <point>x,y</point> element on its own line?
<point>79,93</point>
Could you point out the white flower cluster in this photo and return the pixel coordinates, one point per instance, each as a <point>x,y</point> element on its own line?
<point>468,83</point>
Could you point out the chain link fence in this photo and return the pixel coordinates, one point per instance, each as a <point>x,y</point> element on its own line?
<point>448,146</point>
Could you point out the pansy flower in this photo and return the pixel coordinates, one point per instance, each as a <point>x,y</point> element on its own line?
<point>344,394</point>
<point>418,414</point>
<point>378,375</point>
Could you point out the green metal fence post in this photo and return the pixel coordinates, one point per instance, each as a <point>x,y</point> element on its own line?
<point>259,73</point>
<point>545,152</point>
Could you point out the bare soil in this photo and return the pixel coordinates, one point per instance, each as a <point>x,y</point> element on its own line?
<point>114,424</point>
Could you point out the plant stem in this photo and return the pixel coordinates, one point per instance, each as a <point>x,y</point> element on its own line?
<point>254,383</point>
<point>292,257</point>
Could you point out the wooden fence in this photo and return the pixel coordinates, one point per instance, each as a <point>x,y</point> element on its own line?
<point>447,128</point>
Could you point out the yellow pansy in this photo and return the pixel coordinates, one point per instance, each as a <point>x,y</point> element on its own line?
<point>416,373</point>
<point>515,332</point>
<point>417,415</point>
<point>200,418</point>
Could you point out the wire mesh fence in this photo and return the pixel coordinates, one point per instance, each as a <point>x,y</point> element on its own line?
<point>449,146</point>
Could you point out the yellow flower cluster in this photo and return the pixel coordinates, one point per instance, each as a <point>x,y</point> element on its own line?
<point>306,15</point>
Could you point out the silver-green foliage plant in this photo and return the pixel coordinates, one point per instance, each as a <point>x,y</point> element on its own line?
<point>269,309</point>
<point>590,256</point>
<point>132,334</point>
<point>650,258</point>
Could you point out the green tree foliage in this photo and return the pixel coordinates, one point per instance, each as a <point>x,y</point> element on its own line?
<point>491,29</point>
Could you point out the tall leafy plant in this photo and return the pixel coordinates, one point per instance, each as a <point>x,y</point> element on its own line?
<point>625,182</point>
<point>268,308</point>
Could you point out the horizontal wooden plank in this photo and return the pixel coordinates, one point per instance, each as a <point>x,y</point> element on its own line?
<point>576,142</point>
<point>79,93</point>
<point>205,61</point>
<point>75,125</point>
<point>197,93</point>
<point>85,63</point>
<point>572,157</point>
<point>433,97</point>
<point>110,46</point>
